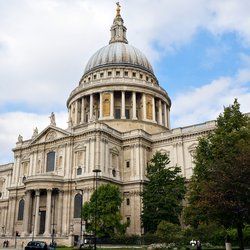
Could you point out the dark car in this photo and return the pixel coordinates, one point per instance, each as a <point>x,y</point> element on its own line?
<point>36,245</point>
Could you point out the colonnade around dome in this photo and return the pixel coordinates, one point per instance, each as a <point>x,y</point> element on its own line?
<point>124,105</point>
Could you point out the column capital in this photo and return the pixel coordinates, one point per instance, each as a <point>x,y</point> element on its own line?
<point>37,192</point>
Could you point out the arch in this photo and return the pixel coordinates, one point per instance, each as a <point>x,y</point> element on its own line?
<point>20,210</point>
<point>77,206</point>
<point>50,166</point>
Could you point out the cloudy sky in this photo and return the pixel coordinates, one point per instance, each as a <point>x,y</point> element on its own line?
<point>200,52</point>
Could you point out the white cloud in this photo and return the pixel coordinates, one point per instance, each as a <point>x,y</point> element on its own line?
<point>14,123</point>
<point>206,102</point>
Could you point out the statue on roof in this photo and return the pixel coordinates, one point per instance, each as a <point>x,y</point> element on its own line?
<point>20,139</point>
<point>52,119</point>
<point>35,132</point>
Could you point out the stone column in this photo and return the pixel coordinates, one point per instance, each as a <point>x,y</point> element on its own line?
<point>159,112</point>
<point>91,107</point>
<point>48,213</point>
<point>123,105</point>
<point>59,213</point>
<point>83,110</point>
<point>144,114</point>
<point>134,117</point>
<point>37,203</point>
<point>168,117</point>
<point>100,107</point>
<point>26,214</point>
<point>153,108</point>
<point>76,112</point>
<point>165,115</point>
<point>112,105</point>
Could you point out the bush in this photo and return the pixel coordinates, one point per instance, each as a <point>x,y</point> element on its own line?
<point>169,232</point>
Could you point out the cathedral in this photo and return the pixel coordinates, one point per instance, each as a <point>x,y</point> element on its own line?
<point>118,117</point>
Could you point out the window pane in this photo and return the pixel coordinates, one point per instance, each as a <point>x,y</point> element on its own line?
<point>79,171</point>
<point>117,114</point>
<point>20,210</point>
<point>127,113</point>
<point>77,206</point>
<point>50,161</point>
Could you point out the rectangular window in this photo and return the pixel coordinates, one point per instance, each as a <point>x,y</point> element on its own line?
<point>50,161</point>
<point>94,76</point>
<point>127,113</point>
<point>141,76</point>
<point>117,73</point>
<point>127,164</point>
<point>134,74</point>
<point>109,73</point>
<point>128,221</point>
<point>128,201</point>
<point>125,73</point>
<point>117,113</point>
<point>146,78</point>
<point>101,74</point>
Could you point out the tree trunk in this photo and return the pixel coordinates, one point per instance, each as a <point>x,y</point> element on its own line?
<point>240,236</point>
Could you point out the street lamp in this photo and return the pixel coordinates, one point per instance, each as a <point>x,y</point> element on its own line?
<point>81,190</point>
<point>96,171</point>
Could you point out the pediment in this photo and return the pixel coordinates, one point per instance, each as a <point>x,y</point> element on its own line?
<point>79,147</point>
<point>50,133</point>
<point>114,151</point>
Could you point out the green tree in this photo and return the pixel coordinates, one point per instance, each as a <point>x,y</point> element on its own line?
<point>163,194</point>
<point>104,206</point>
<point>220,186</point>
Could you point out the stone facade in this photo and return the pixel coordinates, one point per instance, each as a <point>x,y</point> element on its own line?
<point>118,118</point>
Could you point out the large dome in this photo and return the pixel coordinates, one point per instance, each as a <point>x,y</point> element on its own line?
<point>118,53</point>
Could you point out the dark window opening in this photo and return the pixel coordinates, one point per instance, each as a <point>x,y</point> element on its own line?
<point>127,164</point>
<point>128,201</point>
<point>141,76</point>
<point>117,114</point>
<point>127,113</point>
<point>146,78</point>
<point>134,74</point>
<point>125,73</point>
<point>20,210</point>
<point>109,73</point>
<point>94,76</point>
<point>77,206</point>
<point>128,221</point>
<point>50,161</point>
<point>117,73</point>
<point>114,173</point>
<point>79,171</point>
<point>101,74</point>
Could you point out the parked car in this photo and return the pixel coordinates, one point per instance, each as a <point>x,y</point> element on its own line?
<point>38,245</point>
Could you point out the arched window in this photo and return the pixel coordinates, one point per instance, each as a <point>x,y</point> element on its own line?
<point>77,206</point>
<point>79,171</point>
<point>20,210</point>
<point>50,161</point>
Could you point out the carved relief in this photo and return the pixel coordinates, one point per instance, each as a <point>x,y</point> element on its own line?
<point>149,107</point>
<point>106,104</point>
<point>51,136</point>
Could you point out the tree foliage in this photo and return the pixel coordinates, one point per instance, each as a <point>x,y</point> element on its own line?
<point>163,194</point>
<point>104,206</point>
<point>220,186</point>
